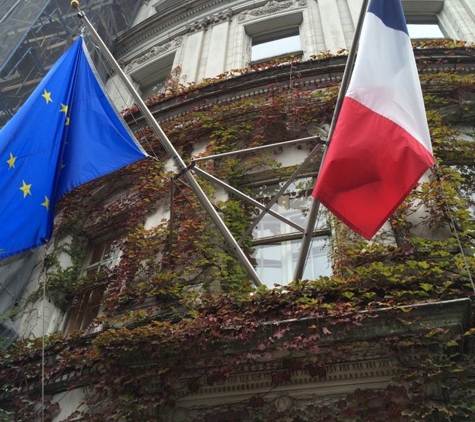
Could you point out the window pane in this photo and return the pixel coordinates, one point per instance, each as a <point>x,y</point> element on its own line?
<point>318,261</point>
<point>293,204</point>
<point>74,322</point>
<point>103,255</point>
<point>157,87</point>
<point>93,306</point>
<point>269,264</point>
<point>97,252</point>
<point>424,31</point>
<point>275,262</point>
<point>85,309</point>
<point>275,35</point>
<point>275,44</point>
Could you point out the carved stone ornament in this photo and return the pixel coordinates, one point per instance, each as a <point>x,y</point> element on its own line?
<point>272,6</point>
<point>180,415</point>
<point>154,52</point>
<point>201,24</point>
<point>208,412</point>
<point>283,403</point>
<point>259,377</point>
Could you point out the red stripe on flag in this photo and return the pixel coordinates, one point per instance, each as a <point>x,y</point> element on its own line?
<point>371,166</point>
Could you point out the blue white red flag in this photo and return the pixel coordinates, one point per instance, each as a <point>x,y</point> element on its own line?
<point>67,133</point>
<point>381,144</point>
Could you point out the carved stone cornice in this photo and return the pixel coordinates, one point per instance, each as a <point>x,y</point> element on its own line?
<point>295,391</point>
<point>176,17</point>
<point>171,17</point>
<point>271,7</point>
<point>337,378</point>
<point>154,52</point>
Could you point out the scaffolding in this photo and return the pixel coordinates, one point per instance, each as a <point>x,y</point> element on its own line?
<point>34,34</point>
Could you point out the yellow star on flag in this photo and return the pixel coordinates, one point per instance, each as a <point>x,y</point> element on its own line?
<point>47,96</point>
<point>46,203</point>
<point>25,189</point>
<point>64,108</point>
<point>11,161</point>
<point>67,121</point>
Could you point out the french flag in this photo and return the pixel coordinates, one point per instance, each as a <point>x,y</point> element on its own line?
<point>381,144</point>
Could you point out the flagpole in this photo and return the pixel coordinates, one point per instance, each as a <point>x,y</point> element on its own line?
<point>315,207</point>
<point>179,163</point>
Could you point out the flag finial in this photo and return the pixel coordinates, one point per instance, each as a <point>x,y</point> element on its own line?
<point>75,4</point>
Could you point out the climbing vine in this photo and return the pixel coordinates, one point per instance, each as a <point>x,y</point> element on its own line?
<point>158,328</point>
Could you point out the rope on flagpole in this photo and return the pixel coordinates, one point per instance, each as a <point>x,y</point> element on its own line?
<point>43,358</point>
<point>43,355</point>
<point>453,226</point>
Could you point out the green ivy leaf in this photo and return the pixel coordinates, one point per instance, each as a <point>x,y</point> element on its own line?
<point>426,287</point>
<point>348,295</point>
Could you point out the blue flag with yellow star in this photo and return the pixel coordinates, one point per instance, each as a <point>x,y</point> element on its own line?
<point>66,134</point>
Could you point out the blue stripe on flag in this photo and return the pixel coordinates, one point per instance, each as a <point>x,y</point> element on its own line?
<point>390,12</point>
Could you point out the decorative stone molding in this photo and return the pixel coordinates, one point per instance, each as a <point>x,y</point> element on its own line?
<point>299,389</point>
<point>216,18</point>
<point>276,387</point>
<point>175,17</point>
<point>154,52</point>
<point>197,25</point>
<point>280,404</point>
<point>337,378</point>
<point>223,16</point>
<point>271,7</point>
<point>189,6</point>
<point>283,402</point>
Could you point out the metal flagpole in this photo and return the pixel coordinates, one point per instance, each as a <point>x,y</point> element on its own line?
<point>179,163</point>
<point>313,213</point>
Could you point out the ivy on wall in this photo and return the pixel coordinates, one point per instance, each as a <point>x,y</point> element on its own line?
<point>131,365</point>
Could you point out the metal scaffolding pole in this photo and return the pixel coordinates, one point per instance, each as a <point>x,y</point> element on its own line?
<point>179,163</point>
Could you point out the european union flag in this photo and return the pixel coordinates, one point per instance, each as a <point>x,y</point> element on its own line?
<point>66,134</point>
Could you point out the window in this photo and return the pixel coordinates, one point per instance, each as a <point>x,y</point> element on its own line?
<point>277,245</point>
<point>274,44</point>
<point>424,26</point>
<point>152,78</point>
<point>466,134</point>
<point>86,305</point>
<point>277,37</point>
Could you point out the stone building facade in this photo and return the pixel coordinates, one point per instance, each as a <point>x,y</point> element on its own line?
<point>223,76</point>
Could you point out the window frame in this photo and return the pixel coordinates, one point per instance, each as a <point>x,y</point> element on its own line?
<point>87,303</point>
<point>424,12</point>
<point>262,29</point>
<point>154,74</point>
<point>288,239</point>
<point>425,20</point>
<point>298,161</point>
